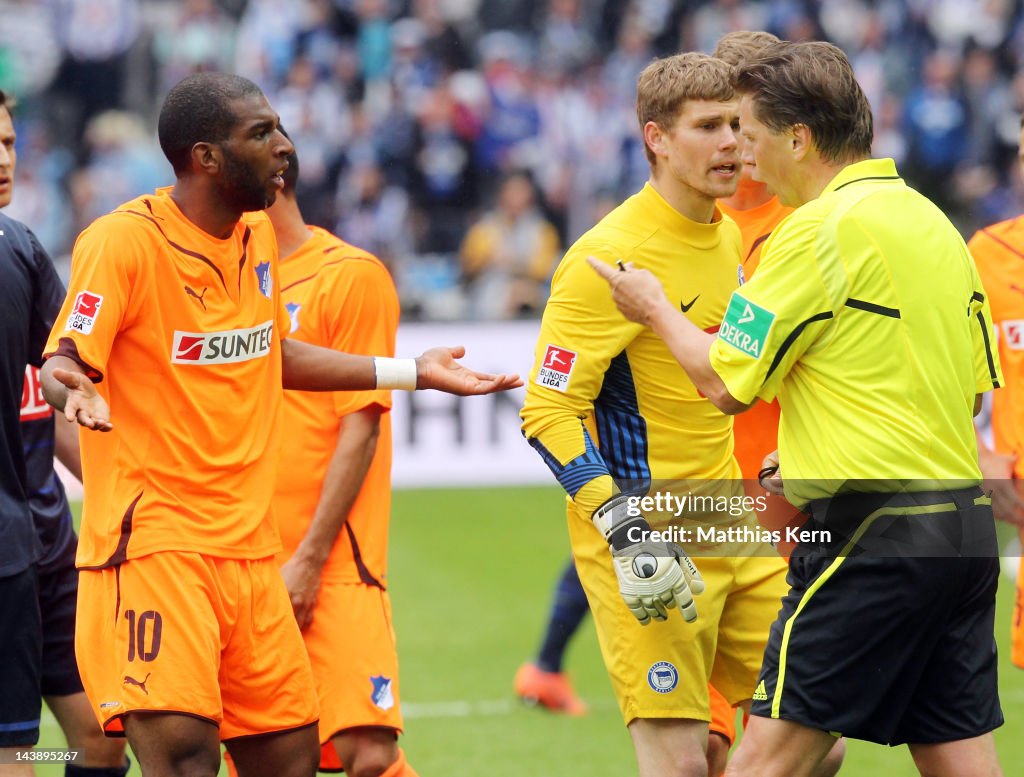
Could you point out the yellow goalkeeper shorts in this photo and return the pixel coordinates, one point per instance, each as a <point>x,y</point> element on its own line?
<point>662,670</point>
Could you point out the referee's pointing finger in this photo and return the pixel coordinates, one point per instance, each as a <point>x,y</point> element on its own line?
<point>601,268</point>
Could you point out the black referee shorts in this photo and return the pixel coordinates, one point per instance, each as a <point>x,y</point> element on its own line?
<point>20,659</point>
<point>887,633</point>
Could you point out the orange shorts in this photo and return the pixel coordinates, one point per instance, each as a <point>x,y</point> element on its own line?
<point>183,632</point>
<point>1017,624</point>
<point>723,715</point>
<point>356,677</point>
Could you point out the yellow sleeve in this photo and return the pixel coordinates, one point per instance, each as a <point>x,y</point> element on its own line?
<point>775,317</point>
<point>988,372</point>
<point>104,265</point>
<point>581,332</point>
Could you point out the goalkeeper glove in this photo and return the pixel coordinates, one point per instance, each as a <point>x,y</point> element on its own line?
<point>653,576</point>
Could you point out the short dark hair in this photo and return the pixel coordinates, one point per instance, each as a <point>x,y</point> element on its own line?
<point>197,110</point>
<point>7,101</point>
<point>810,83</point>
<point>291,175</point>
<point>739,45</point>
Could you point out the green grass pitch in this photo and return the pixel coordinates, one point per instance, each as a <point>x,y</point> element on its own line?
<point>471,578</point>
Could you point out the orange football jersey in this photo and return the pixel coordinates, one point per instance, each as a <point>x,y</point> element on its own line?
<point>340,297</point>
<point>998,251</point>
<point>181,332</point>
<point>756,431</point>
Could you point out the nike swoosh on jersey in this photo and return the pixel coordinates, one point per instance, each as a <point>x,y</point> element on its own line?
<point>686,308</point>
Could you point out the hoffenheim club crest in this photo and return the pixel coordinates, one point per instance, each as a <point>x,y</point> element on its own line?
<point>382,695</point>
<point>265,279</point>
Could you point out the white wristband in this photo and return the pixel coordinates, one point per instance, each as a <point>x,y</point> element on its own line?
<point>395,373</point>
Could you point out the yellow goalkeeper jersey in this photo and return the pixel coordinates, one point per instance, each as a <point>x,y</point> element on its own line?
<point>605,398</point>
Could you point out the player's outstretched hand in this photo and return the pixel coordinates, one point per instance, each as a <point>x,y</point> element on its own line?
<point>637,293</point>
<point>438,369</point>
<point>84,405</point>
<point>653,577</point>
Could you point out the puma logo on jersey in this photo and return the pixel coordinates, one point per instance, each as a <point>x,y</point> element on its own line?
<point>197,297</point>
<point>129,680</point>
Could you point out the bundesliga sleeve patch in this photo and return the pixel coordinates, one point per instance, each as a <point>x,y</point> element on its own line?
<point>746,326</point>
<point>556,368</point>
<point>84,313</point>
<point>1014,335</point>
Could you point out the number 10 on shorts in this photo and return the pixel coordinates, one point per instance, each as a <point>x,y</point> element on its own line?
<point>144,634</point>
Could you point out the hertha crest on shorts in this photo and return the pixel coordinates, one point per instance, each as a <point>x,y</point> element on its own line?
<point>556,368</point>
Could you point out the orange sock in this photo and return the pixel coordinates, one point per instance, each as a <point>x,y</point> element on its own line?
<point>400,768</point>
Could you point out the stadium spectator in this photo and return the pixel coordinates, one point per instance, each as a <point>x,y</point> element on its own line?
<point>920,608</point>
<point>95,38</point>
<point>201,37</point>
<point>333,496</point>
<point>374,39</point>
<point>509,254</point>
<point>611,421</point>
<point>512,118</point>
<point>39,578</point>
<point>29,51</point>
<point>566,41</point>
<point>997,250</point>
<point>266,41</point>
<point>174,303</point>
<point>317,115</point>
<point>372,214</point>
<point>442,41</point>
<point>120,164</point>
<point>936,125</point>
<point>443,175</point>
<point>411,47</point>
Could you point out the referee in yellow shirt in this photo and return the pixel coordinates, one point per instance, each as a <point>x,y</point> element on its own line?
<point>868,321</point>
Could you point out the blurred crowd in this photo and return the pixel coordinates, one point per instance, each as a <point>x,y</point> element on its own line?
<point>467,141</point>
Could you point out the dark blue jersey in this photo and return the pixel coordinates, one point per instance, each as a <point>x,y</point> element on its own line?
<point>30,298</point>
<point>46,496</point>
